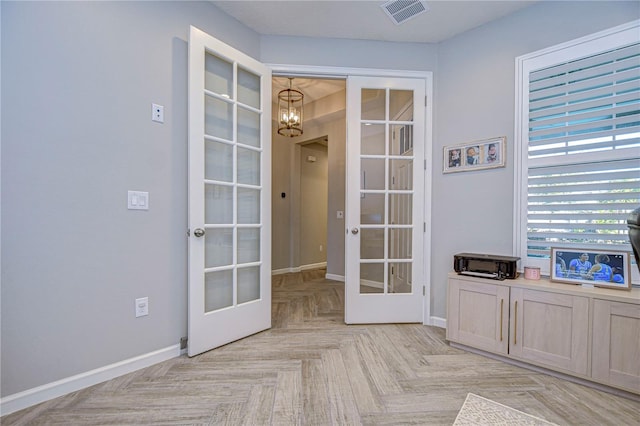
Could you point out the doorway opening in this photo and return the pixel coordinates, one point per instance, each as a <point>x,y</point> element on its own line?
<point>376,100</point>
<point>308,181</point>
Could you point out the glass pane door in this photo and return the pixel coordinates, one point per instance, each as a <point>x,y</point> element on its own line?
<point>229,193</point>
<point>232,184</point>
<point>386,190</point>
<point>383,201</point>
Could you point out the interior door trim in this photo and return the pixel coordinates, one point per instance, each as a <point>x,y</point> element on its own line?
<point>311,71</point>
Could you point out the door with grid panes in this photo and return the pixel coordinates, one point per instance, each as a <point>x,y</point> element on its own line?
<point>385,165</point>
<point>229,194</point>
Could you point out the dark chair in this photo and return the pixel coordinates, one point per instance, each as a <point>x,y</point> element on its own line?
<point>633,222</point>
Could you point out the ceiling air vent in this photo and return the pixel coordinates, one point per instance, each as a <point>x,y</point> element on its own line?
<point>402,10</point>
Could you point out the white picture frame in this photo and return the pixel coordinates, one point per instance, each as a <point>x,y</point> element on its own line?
<point>476,155</point>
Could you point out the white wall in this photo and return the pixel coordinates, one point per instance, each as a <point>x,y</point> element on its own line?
<point>314,197</point>
<point>475,97</point>
<point>474,78</point>
<point>281,226</point>
<point>78,80</point>
<point>331,52</point>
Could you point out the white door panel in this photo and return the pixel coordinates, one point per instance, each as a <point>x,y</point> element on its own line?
<point>385,154</point>
<point>229,194</point>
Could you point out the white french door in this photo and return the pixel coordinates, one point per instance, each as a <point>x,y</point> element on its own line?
<point>229,194</point>
<point>385,165</point>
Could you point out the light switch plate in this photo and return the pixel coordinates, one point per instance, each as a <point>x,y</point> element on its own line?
<point>138,200</point>
<point>142,307</point>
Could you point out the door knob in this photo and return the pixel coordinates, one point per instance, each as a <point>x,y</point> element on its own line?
<point>354,231</point>
<point>198,232</point>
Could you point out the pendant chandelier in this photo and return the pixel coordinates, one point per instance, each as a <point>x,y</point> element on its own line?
<point>290,111</point>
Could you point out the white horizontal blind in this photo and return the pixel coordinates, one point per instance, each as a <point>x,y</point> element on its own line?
<point>583,152</point>
<point>581,205</point>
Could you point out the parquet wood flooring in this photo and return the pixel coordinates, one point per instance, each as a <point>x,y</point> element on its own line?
<point>312,369</point>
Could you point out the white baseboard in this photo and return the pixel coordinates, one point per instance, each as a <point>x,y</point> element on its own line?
<point>334,277</point>
<point>30,397</point>
<point>438,322</point>
<point>299,268</point>
<point>371,283</point>
<point>313,266</point>
<point>283,271</point>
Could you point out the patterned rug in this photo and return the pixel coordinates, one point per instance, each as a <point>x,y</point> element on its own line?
<point>478,411</point>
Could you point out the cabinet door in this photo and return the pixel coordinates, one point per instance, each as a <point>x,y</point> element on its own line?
<point>477,315</point>
<point>615,357</point>
<point>550,329</point>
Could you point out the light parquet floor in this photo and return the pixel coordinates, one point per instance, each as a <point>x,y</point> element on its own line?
<point>312,369</point>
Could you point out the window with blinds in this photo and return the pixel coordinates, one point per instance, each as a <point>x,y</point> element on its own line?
<point>581,149</point>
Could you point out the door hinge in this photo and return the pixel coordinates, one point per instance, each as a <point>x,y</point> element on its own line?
<point>424,291</point>
<point>424,226</point>
<point>425,164</point>
<point>425,100</point>
<point>188,232</point>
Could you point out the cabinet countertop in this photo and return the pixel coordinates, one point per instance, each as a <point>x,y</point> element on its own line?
<point>544,284</point>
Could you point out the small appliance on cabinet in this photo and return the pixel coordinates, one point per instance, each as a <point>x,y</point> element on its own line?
<point>486,265</point>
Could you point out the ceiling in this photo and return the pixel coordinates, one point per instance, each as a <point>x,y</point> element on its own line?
<point>365,19</point>
<point>362,19</point>
<point>312,88</point>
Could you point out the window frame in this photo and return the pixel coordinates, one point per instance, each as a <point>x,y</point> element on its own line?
<point>591,44</point>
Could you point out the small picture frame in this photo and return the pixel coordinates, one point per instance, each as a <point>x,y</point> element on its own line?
<point>601,268</point>
<point>478,155</point>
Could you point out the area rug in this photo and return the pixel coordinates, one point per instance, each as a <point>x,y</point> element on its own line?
<point>478,411</point>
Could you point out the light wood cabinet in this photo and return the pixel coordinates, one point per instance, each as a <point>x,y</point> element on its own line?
<point>550,329</point>
<point>616,344</point>
<point>479,315</point>
<point>590,333</point>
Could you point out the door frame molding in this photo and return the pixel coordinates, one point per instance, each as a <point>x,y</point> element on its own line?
<point>310,71</point>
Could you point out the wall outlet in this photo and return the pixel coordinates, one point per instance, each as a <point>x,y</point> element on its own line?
<point>157,113</point>
<point>142,307</point>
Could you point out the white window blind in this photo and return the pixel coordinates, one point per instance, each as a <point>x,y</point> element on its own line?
<point>581,130</point>
<point>588,105</point>
<point>584,205</point>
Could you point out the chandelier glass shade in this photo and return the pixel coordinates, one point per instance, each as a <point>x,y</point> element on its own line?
<point>290,112</point>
